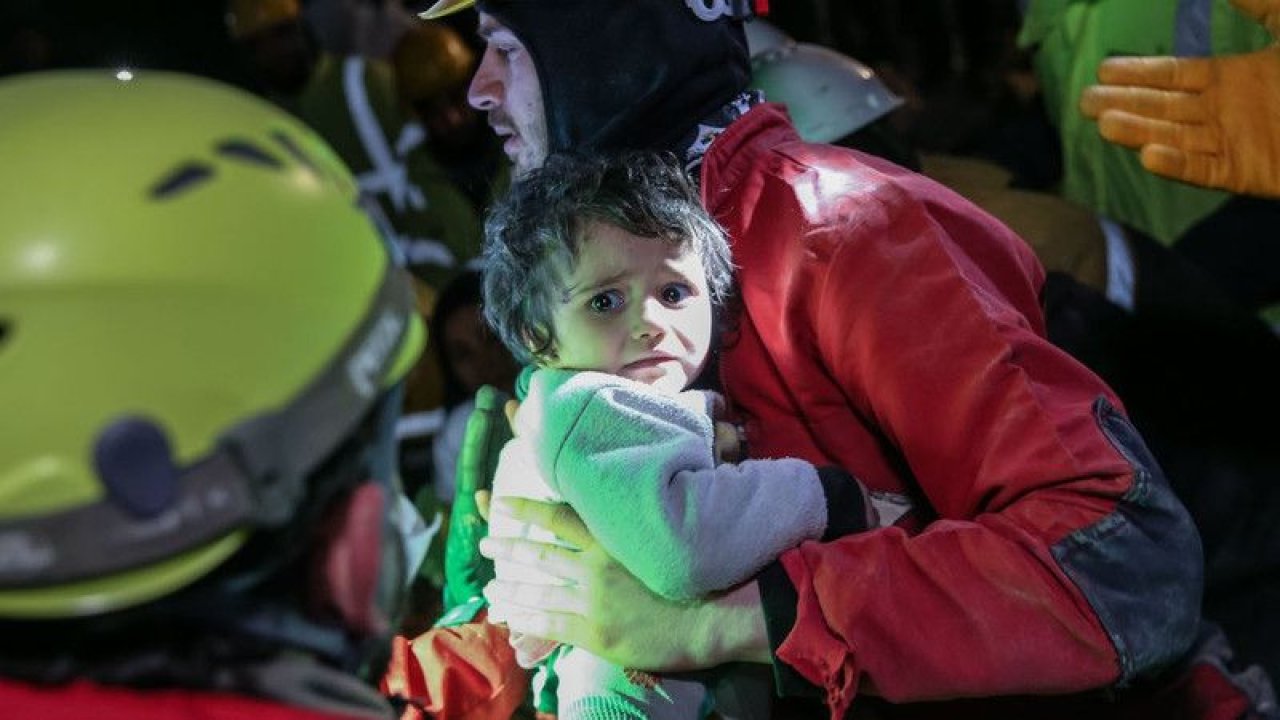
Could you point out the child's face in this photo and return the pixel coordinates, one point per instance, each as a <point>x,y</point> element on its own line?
<point>635,307</point>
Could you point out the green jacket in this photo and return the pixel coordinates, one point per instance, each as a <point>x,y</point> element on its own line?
<point>1070,39</point>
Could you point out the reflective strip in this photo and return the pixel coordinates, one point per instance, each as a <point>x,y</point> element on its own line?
<point>1120,272</point>
<point>423,424</point>
<point>426,251</point>
<point>1192,29</point>
<point>387,175</point>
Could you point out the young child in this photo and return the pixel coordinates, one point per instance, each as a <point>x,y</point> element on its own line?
<point>604,273</point>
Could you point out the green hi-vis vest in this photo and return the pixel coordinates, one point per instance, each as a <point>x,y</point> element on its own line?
<point>1071,38</point>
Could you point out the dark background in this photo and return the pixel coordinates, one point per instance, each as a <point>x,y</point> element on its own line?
<point>182,35</point>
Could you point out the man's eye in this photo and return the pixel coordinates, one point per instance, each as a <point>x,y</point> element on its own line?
<point>605,302</point>
<point>675,293</point>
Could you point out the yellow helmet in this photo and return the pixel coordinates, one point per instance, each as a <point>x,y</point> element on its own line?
<point>194,314</point>
<point>250,17</point>
<point>445,7</point>
<point>432,59</point>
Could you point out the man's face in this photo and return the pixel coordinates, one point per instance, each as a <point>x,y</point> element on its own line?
<point>636,307</point>
<point>506,87</point>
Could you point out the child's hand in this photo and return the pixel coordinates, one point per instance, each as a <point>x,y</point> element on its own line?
<point>730,445</point>
<point>730,442</point>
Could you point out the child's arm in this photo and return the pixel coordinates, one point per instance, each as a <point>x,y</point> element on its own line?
<point>639,469</point>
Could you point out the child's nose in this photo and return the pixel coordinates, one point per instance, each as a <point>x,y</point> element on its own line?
<point>649,322</point>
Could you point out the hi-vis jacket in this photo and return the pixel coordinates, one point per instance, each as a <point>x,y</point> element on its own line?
<point>893,329</point>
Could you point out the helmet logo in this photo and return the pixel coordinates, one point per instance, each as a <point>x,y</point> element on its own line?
<point>366,365</point>
<point>710,10</point>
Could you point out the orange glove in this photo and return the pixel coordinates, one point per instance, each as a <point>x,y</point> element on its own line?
<point>1208,121</point>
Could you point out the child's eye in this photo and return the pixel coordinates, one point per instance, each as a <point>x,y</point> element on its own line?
<point>675,293</point>
<point>605,302</point>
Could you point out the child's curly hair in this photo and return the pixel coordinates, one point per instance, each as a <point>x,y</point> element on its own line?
<point>532,236</point>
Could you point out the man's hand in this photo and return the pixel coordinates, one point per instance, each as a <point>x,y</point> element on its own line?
<point>1209,121</point>
<point>597,605</point>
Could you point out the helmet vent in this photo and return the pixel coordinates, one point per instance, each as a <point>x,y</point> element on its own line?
<point>248,152</point>
<point>180,180</point>
<point>296,152</point>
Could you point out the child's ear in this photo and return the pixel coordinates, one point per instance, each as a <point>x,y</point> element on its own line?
<point>541,346</point>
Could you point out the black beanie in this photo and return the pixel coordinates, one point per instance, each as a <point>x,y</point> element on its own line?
<point>627,74</point>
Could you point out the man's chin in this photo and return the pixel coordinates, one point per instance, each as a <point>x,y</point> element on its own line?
<point>524,162</point>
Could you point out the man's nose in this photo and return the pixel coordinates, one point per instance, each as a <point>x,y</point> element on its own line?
<point>483,93</point>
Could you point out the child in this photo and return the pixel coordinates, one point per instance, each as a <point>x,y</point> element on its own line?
<point>603,274</point>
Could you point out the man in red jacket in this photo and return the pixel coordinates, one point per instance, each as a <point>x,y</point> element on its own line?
<point>1032,560</point>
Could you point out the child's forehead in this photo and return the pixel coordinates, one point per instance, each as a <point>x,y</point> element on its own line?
<point>603,245</point>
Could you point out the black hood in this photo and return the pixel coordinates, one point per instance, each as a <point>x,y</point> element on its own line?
<point>627,74</point>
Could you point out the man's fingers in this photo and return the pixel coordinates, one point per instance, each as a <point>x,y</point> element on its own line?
<point>557,518</point>
<point>553,560</point>
<point>510,596</point>
<point>1159,73</point>
<point>1159,104</point>
<point>560,627</point>
<point>1134,131</point>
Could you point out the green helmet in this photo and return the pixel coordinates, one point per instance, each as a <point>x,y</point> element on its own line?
<point>194,314</point>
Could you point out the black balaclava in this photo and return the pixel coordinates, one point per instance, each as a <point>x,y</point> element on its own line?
<point>629,74</point>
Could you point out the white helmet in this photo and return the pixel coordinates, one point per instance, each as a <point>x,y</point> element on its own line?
<point>829,95</point>
<point>763,36</point>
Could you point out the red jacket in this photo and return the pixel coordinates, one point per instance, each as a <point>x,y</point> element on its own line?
<point>892,328</point>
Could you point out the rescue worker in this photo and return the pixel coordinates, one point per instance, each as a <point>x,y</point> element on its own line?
<point>1068,41</point>
<point>889,328</point>
<point>1214,122</point>
<point>1211,122</point>
<point>203,341</point>
<point>351,101</point>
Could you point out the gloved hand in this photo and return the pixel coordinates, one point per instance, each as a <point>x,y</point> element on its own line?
<point>488,429</point>
<point>1209,121</point>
